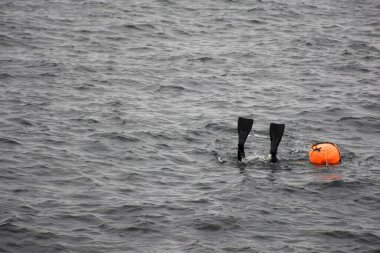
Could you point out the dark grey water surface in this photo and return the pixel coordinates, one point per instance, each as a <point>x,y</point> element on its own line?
<point>116,117</point>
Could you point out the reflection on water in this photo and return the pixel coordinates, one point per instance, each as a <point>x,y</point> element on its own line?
<point>327,173</point>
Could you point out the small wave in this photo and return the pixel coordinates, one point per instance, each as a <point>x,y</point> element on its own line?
<point>219,157</point>
<point>167,2</point>
<point>6,41</point>
<point>337,182</point>
<point>204,186</point>
<point>147,26</point>
<point>45,63</point>
<point>375,107</point>
<point>332,110</point>
<point>365,237</point>
<point>349,156</point>
<point>141,49</point>
<point>239,249</point>
<point>18,190</point>
<point>88,121</point>
<point>5,75</point>
<point>140,27</point>
<point>96,3</point>
<point>84,68</point>
<point>175,88</point>
<point>143,230</point>
<point>116,38</point>
<point>85,31</point>
<point>157,135</point>
<point>115,103</point>
<point>369,161</point>
<point>8,227</point>
<point>207,226</point>
<point>114,210</point>
<point>9,141</point>
<point>143,227</point>
<point>21,121</point>
<point>220,126</point>
<point>45,236</point>
<point>364,124</point>
<point>256,22</point>
<point>202,59</point>
<point>116,136</point>
<point>353,66</point>
<point>363,47</point>
<point>48,74</point>
<point>77,181</point>
<point>346,52</point>
<point>85,87</point>
<point>83,217</point>
<point>257,9</point>
<point>214,223</point>
<point>199,201</point>
<point>126,190</point>
<point>181,32</point>
<point>133,27</point>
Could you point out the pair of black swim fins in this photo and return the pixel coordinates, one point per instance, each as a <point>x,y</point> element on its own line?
<point>275,132</point>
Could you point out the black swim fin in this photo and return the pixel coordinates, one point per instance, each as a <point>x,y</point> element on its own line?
<point>275,132</point>
<point>244,128</point>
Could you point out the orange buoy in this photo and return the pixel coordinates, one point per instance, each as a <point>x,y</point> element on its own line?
<point>324,153</point>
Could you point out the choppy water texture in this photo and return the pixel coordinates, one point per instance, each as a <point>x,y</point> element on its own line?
<point>118,125</point>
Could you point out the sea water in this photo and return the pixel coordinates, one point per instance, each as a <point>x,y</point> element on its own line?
<point>118,125</point>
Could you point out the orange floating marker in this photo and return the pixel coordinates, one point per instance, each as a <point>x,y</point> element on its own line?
<point>324,153</point>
